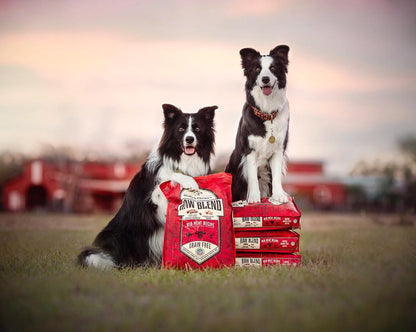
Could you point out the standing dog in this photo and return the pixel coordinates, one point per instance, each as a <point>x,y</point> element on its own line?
<point>134,237</point>
<point>258,160</point>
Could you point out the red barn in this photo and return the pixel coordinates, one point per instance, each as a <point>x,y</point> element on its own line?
<point>100,186</point>
<point>69,186</point>
<point>308,182</point>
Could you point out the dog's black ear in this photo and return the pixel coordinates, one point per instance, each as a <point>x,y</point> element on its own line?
<point>170,112</point>
<point>247,56</point>
<point>208,113</point>
<point>281,53</point>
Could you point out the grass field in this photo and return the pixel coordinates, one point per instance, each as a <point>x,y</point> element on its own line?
<point>358,274</point>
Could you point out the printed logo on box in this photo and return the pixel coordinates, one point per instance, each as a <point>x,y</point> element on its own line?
<point>248,261</point>
<point>240,222</point>
<point>247,243</point>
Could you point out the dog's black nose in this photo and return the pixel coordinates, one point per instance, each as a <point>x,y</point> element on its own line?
<point>265,79</point>
<point>189,139</point>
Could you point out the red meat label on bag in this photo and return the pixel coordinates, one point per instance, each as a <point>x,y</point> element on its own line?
<point>200,224</point>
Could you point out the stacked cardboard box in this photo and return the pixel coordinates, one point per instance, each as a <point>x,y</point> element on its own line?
<point>264,233</point>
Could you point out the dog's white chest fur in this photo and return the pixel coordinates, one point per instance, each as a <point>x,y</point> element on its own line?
<point>262,148</point>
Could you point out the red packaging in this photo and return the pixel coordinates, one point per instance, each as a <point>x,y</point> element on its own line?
<point>267,241</point>
<point>267,259</point>
<point>199,230</point>
<point>265,215</point>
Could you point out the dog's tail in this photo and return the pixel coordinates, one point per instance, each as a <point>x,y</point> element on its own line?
<point>97,258</point>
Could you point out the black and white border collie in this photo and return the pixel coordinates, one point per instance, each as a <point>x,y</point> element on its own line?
<point>258,160</point>
<point>134,237</point>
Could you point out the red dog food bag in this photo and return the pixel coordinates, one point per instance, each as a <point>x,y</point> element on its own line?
<point>265,215</point>
<point>199,230</point>
<point>267,259</point>
<point>267,241</point>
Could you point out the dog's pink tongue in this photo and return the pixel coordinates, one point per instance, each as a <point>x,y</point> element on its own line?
<point>267,90</point>
<point>189,150</point>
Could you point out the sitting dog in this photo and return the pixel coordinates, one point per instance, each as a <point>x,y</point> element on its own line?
<point>258,160</point>
<point>134,237</point>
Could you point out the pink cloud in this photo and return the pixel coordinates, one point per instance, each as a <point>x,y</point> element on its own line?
<point>314,74</point>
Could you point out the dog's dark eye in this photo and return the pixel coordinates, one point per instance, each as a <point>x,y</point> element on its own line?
<point>258,69</point>
<point>181,129</point>
<point>197,129</point>
<point>272,68</point>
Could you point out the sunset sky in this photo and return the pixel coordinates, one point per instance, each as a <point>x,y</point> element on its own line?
<point>93,74</point>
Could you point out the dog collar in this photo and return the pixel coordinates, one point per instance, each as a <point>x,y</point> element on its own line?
<point>264,116</point>
<point>267,117</point>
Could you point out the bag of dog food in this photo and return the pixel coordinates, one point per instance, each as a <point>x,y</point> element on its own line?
<point>267,241</point>
<point>199,230</point>
<point>265,215</point>
<point>266,259</point>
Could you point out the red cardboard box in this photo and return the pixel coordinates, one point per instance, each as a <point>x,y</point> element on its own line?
<point>199,231</point>
<point>265,215</point>
<point>266,259</point>
<point>267,241</point>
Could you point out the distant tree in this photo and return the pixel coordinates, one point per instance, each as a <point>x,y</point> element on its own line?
<point>390,196</point>
<point>11,165</point>
<point>407,146</point>
<point>57,154</point>
<point>357,197</point>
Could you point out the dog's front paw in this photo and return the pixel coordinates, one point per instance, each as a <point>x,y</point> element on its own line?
<point>190,184</point>
<point>280,198</point>
<point>253,196</point>
<point>186,182</point>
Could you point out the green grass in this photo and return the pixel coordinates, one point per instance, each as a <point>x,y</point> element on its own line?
<point>355,276</point>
